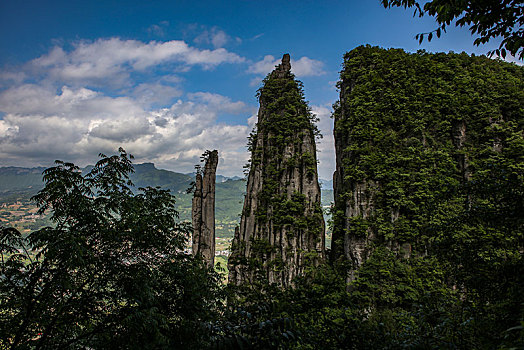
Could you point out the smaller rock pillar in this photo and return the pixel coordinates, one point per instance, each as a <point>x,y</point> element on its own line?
<point>203,210</point>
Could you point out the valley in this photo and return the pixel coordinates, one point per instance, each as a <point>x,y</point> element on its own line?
<point>18,185</point>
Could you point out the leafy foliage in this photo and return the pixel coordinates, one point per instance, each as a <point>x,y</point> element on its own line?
<point>400,121</point>
<point>488,19</point>
<point>438,141</point>
<point>109,274</point>
<point>285,109</point>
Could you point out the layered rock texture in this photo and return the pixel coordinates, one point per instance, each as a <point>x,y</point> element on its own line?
<point>203,210</point>
<point>415,136</point>
<point>281,229</point>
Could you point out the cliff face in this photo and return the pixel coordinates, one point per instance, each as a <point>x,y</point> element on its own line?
<point>414,133</point>
<point>281,229</point>
<point>203,210</point>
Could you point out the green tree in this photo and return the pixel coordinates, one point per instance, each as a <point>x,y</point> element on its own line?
<point>487,20</point>
<point>110,273</point>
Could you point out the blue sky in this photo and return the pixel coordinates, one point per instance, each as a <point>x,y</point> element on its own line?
<point>169,79</point>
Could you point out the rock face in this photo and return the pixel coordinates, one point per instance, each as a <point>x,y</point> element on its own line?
<point>408,128</point>
<point>281,229</point>
<point>203,210</point>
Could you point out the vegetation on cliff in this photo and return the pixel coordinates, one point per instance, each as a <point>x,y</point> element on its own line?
<point>282,227</point>
<point>423,127</point>
<point>432,146</point>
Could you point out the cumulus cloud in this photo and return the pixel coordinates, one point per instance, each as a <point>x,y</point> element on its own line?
<point>73,103</point>
<point>41,125</point>
<point>155,94</point>
<point>114,58</point>
<point>302,67</point>
<point>221,103</point>
<point>80,103</point>
<point>122,130</point>
<point>326,145</point>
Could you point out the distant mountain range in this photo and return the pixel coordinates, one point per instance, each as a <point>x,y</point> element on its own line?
<point>21,183</point>
<point>146,174</point>
<point>20,179</point>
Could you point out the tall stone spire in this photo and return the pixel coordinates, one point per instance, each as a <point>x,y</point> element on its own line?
<point>203,210</point>
<point>282,228</point>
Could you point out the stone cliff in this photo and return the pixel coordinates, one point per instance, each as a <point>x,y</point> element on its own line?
<point>411,132</point>
<point>281,229</point>
<point>203,210</point>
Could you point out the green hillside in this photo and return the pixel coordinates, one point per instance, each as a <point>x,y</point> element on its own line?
<point>20,179</point>
<point>147,175</point>
<point>20,184</point>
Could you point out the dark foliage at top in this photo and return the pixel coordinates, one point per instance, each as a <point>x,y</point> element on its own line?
<point>286,111</point>
<point>488,19</point>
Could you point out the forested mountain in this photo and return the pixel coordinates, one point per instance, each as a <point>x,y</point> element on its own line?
<point>429,189</point>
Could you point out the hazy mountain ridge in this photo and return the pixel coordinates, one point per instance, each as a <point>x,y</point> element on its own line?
<point>17,183</point>
<point>20,184</point>
<point>29,180</point>
<point>146,174</point>
<point>17,179</point>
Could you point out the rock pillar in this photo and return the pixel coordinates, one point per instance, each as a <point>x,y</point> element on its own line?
<point>282,228</point>
<point>203,210</point>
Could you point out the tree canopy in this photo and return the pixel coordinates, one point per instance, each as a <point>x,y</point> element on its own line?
<point>111,273</point>
<point>486,19</point>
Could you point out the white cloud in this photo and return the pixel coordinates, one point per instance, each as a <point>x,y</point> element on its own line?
<point>123,130</point>
<point>221,103</point>
<point>256,37</point>
<point>256,81</point>
<point>11,78</point>
<point>41,125</point>
<point>264,66</point>
<point>80,103</point>
<point>307,67</point>
<point>214,36</point>
<point>302,67</point>
<point>74,124</point>
<point>326,145</point>
<point>106,60</point>
<point>72,104</point>
<point>219,39</point>
<point>155,94</point>
<point>158,29</point>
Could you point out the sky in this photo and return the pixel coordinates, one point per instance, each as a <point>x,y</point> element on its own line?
<point>167,80</point>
